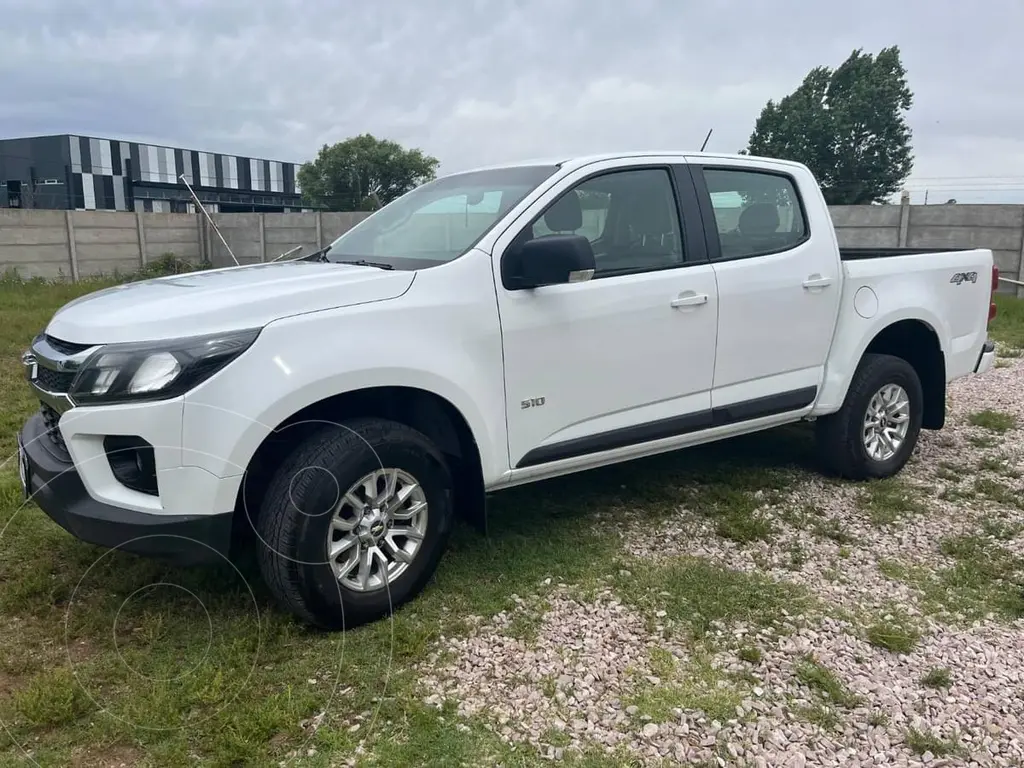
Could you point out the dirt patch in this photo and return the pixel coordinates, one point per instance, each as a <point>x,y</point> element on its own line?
<point>117,756</point>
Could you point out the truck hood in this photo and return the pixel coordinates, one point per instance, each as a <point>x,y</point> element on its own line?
<point>220,300</point>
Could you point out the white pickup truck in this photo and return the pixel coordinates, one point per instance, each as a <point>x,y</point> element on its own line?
<point>488,329</point>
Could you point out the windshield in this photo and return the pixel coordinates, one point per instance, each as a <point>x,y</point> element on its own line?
<point>438,221</point>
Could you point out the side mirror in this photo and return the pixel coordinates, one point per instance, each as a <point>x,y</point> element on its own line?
<point>549,260</point>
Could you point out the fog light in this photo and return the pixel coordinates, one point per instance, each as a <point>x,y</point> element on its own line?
<point>133,462</point>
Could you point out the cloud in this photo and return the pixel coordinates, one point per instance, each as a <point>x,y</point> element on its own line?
<point>476,82</point>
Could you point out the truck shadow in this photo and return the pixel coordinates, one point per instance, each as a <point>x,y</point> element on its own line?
<point>762,460</point>
<point>545,527</point>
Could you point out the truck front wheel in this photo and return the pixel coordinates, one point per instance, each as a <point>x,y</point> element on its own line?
<point>875,432</point>
<point>354,522</point>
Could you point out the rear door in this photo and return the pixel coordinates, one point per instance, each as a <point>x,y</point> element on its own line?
<point>777,269</point>
<point>628,356</point>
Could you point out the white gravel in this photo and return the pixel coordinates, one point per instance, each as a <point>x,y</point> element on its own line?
<point>570,687</point>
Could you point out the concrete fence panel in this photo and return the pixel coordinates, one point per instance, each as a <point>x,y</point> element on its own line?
<point>285,231</point>
<point>242,233</point>
<point>175,233</point>
<point>867,226</point>
<point>335,224</point>
<point>105,242</point>
<point>34,243</point>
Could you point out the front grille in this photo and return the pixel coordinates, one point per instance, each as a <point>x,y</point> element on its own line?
<point>53,381</point>
<point>66,347</point>
<point>51,419</point>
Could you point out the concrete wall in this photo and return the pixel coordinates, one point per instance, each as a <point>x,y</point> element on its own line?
<point>999,227</point>
<point>75,244</point>
<point>34,243</point>
<point>256,237</point>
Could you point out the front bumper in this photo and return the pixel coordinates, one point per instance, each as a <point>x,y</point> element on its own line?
<point>987,358</point>
<point>54,484</point>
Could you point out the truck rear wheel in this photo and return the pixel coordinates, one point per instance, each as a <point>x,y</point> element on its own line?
<point>874,434</point>
<point>354,522</point>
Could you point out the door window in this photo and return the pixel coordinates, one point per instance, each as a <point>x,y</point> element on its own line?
<point>629,217</point>
<point>756,213</point>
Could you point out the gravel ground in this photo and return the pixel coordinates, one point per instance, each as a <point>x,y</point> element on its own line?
<point>818,689</point>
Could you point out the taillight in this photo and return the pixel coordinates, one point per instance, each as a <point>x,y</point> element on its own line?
<point>992,294</point>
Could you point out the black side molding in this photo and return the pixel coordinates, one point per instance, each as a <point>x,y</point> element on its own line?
<point>733,413</point>
<point>760,407</point>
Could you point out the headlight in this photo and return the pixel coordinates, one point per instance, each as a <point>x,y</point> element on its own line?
<point>155,370</point>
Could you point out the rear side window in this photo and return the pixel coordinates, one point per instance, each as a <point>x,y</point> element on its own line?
<point>756,213</point>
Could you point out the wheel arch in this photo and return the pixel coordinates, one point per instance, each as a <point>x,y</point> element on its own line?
<point>917,342</point>
<point>427,412</point>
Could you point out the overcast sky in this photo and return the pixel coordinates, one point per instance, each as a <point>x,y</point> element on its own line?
<point>481,81</point>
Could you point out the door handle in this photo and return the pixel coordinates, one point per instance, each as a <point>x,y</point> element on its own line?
<point>817,281</point>
<point>689,299</point>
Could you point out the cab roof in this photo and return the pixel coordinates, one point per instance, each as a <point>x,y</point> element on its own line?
<point>578,161</point>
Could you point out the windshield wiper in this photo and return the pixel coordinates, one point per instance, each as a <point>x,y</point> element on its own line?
<point>365,263</point>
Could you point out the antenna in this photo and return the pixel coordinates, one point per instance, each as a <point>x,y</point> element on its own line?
<point>706,139</point>
<point>209,219</point>
<point>287,253</point>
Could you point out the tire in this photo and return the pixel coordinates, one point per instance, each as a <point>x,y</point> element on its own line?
<point>295,521</point>
<point>841,435</point>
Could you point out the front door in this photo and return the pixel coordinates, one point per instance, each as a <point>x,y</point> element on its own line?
<point>628,356</point>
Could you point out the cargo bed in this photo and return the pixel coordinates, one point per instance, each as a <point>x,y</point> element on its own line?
<point>860,254</point>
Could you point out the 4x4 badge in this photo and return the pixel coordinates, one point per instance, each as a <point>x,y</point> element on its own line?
<point>964,277</point>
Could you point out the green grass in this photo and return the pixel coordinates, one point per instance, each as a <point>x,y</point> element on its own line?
<point>987,488</point>
<point>750,655</point>
<point>890,500</point>
<point>998,492</point>
<point>696,594</point>
<point>879,718</point>
<point>51,698</point>
<point>994,421</point>
<point>984,578</point>
<point>821,715</point>
<point>1008,327</point>
<point>696,686</point>
<point>982,441</point>
<point>823,681</point>
<point>811,517</point>
<point>733,505</point>
<point>894,632</point>
<point>938,677</point>
<point>920,742</point>
<point>998,465</point>
<point>1001,529</point>
<point>833,530</point>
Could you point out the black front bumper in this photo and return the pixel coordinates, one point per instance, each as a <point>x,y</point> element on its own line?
<point>53,483</point>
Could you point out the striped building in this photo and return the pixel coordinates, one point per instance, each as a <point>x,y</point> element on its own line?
<point>87,173</point>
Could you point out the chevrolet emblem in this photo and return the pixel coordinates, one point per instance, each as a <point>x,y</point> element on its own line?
<point>31,366</point>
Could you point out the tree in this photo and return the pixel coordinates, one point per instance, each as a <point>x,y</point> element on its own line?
<point>363,173</point>
<point>847,125</point>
